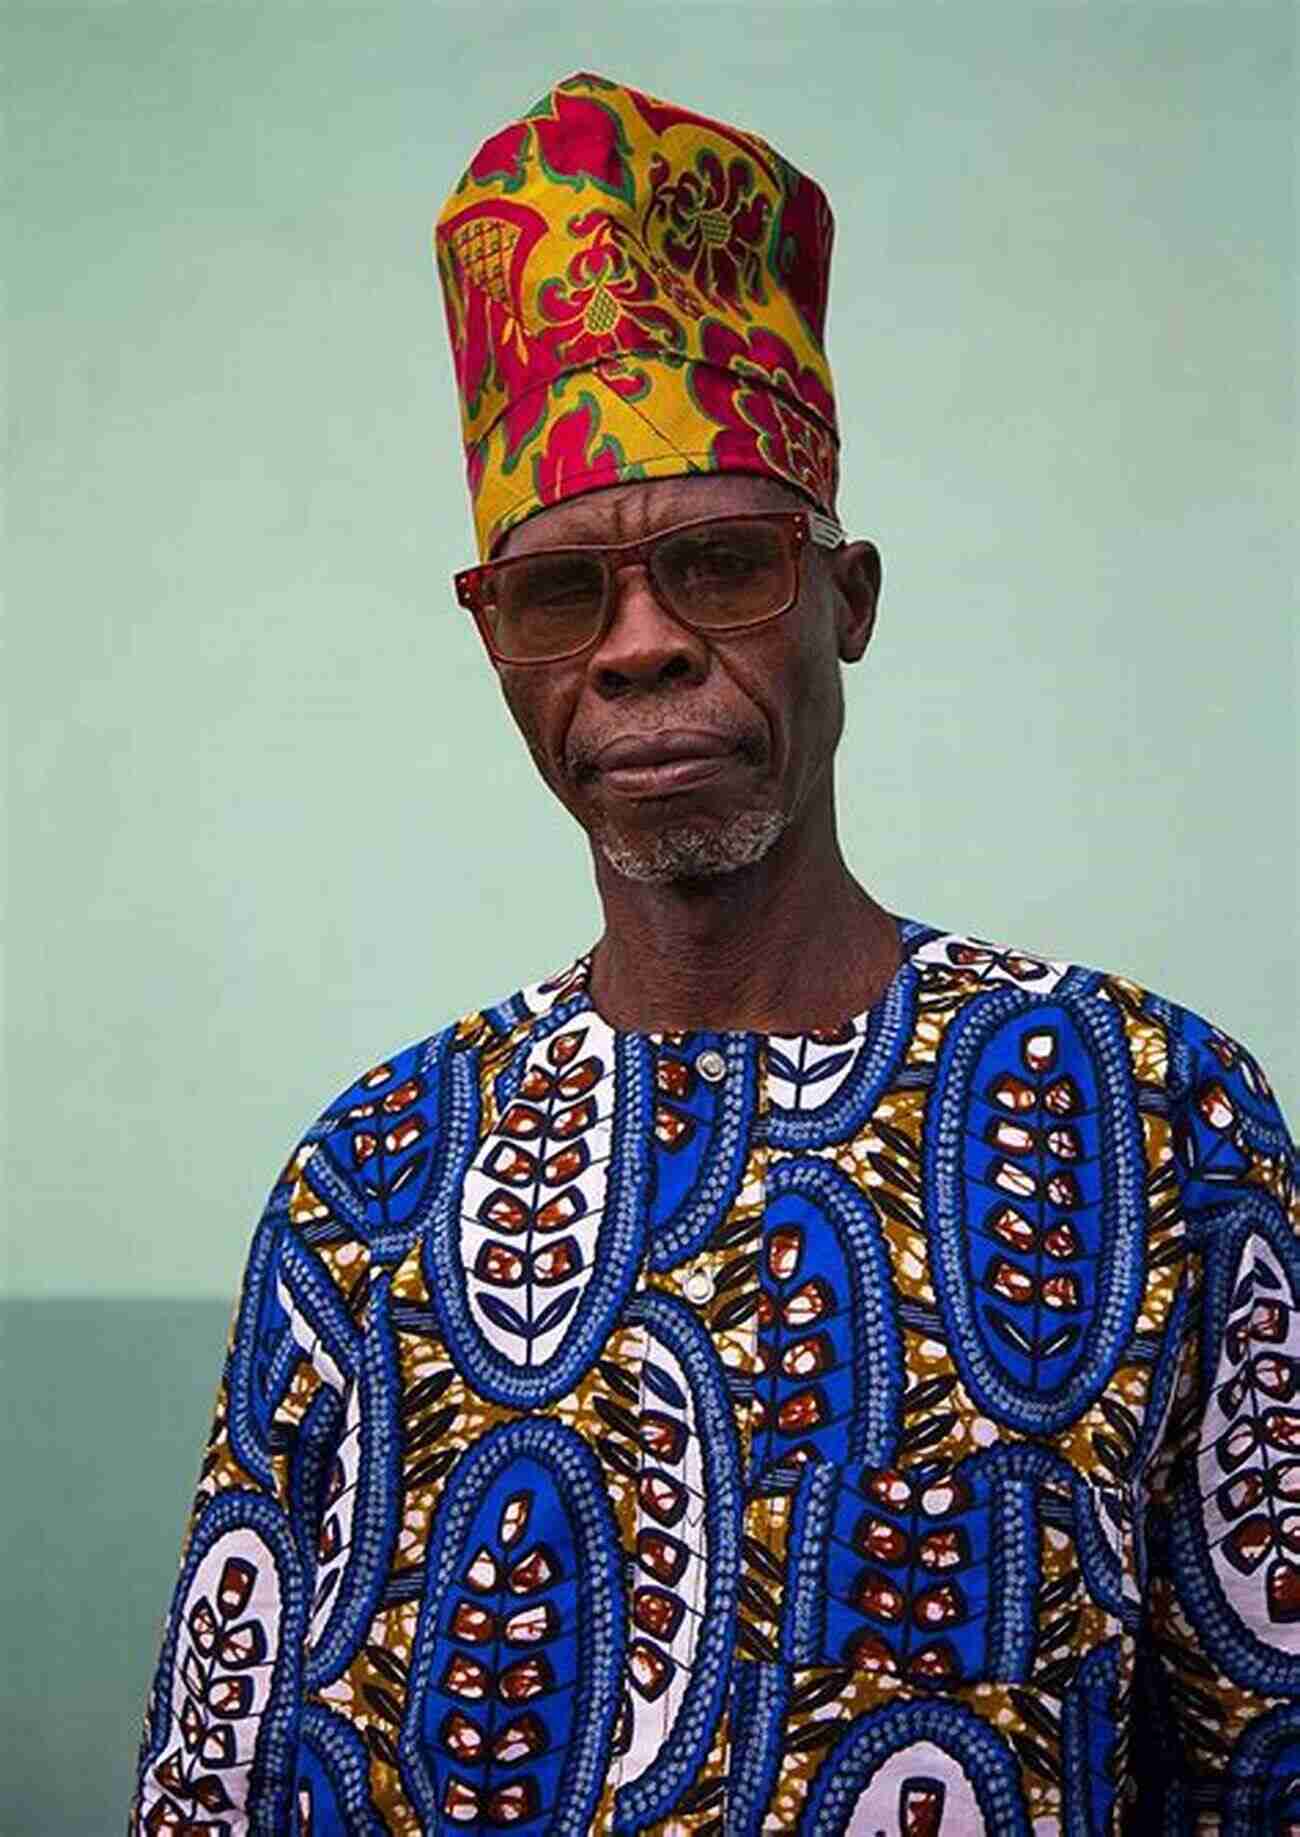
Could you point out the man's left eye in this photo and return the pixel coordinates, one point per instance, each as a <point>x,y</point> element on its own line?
<point>718,563</point>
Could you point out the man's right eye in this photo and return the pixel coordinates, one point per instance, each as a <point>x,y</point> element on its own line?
<point>556,588</point>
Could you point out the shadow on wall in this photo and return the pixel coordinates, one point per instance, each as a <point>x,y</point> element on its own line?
<point>107,1408</point>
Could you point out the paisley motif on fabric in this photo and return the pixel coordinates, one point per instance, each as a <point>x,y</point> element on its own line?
<point>919,1767</point>
<point>1230,1126</point>
<point>927,1576</point>
<point>687,1563</point>
<point>1090,1735</point>
<point>318,1319</point>
<point>1264,1776</point>
<point>830,1369</point>
<point>226,1695</point>
<point>519,1652</point>
<point>392,1143</point>
<point>1035,1193</point>
<point>930,1575</point>
<point>701,1140</point>
<point>1236,1535</point>
<point>760,1703</point>
<point>530,1259</point>
<point>311,1475</point>
<point>332,1786</point>
<point>264,1351</point>
<point>358,1525</point>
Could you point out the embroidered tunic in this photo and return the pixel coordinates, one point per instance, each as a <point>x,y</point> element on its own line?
<point>889,1429</point>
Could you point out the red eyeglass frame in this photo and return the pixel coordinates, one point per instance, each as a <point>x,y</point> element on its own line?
<point>472,585</point>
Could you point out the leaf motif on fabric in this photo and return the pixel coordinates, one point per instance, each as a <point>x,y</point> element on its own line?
<point>532,1209</point>
<point>1037,1226</point>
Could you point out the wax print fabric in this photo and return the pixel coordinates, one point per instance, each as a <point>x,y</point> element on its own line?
<point>633,290</point>
<point>885,1429</point>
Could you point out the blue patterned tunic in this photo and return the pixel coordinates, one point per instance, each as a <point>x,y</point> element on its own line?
<point>864,1432</point>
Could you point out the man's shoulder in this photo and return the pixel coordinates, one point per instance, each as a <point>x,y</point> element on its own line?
<point>973,963</point>
<point>381,1100</point>
<point>364,1161</point>
<point>1169,1045</point>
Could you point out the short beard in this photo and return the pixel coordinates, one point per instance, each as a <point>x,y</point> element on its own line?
<point>694,851</point>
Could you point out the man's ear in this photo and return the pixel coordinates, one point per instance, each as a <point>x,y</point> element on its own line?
<point>857,574</point>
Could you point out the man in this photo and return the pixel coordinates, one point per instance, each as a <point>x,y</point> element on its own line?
<point>795,1369</point>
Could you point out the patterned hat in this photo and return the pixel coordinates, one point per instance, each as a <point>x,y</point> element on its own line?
<point>634,291</point>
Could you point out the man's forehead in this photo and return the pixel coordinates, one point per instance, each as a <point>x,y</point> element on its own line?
<point>622,512</point>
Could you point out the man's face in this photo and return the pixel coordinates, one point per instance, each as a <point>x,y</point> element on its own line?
<point>683,755</point>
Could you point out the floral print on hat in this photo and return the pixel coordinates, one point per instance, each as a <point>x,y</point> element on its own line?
<point>634,291</point>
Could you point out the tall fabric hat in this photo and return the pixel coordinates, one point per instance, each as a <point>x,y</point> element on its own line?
<point>634,291</point>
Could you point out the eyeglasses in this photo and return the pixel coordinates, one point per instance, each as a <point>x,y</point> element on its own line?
<point>717,574</point>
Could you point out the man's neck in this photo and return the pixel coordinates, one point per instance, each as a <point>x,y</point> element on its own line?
<point>787,945</point>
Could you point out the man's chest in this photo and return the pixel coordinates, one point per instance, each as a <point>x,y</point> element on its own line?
<point>734,1388</point>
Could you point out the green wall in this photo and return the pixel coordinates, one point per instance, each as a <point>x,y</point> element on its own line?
<point>267,821</point>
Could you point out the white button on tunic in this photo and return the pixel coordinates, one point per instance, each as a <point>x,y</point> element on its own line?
<point>699,1286</point>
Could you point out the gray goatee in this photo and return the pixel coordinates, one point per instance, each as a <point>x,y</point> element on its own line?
<point>688,851</point>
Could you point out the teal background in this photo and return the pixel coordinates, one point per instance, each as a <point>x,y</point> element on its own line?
<point>266,818</point>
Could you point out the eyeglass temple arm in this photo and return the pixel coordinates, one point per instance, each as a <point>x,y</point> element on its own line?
<point>825,531</point>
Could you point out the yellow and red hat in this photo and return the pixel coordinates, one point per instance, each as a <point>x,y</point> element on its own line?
<point>634,291</point>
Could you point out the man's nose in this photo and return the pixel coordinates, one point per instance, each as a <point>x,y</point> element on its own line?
<point>645,644</point>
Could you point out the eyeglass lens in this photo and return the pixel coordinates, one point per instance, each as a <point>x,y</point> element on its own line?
<point>720,574</point>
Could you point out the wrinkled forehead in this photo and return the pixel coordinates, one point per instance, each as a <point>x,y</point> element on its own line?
<point>622,513</point>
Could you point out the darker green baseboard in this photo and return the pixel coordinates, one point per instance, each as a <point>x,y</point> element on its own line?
<point>106,1409</point>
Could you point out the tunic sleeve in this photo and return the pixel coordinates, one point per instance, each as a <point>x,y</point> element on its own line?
<point>221,1727</point>
<point>1217,1711</point>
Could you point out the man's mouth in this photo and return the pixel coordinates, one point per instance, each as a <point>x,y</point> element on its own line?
<point>662,764</point>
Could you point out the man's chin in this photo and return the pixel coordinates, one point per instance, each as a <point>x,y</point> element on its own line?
<point>692,849</point>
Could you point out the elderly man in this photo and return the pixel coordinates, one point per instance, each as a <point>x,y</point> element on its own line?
<point>796,1368</point>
